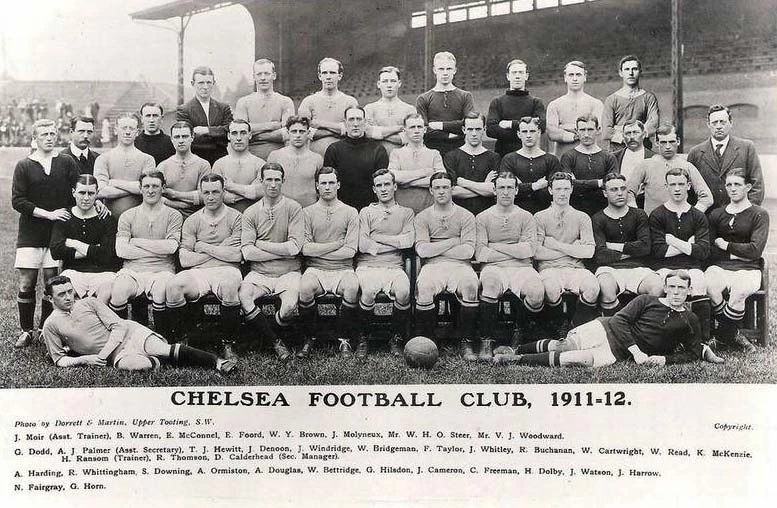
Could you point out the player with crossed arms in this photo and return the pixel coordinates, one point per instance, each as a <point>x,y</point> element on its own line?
<point>385,228</point>
<point>272,237</point>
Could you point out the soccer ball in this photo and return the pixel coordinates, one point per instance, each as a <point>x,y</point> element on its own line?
<point>421,352</point>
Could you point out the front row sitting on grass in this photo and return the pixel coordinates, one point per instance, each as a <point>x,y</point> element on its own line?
<point>652,330</point>
<point>88,332</point>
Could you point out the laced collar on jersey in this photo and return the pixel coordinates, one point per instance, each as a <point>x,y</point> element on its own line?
<point>679,211</point>
<point>213,221</point>
<point>270,210</point>
<point>444,218</point>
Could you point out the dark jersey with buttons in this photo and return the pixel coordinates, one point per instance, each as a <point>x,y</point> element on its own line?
<point>632,230</point>
<point>99,233</point>
<point>692,223</point>
<point>529,170</point>
<point>472,167</point>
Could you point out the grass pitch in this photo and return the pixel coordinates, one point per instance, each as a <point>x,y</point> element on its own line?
<point>31,367</point>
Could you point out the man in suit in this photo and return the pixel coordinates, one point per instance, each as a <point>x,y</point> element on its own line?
<point>716,157</point>
<point>633,153</point>
<point>81,131</point>
<point>209,117</point>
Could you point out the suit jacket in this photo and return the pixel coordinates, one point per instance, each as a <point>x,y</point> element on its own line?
<point>740,153</point>
<point>220,116</point>
<point>620,153</point>
<point>88,166</point>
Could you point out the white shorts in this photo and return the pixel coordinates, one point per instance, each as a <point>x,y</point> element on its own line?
<point>373,280</point>
<point>698,283</point>
<point>210,280</point>
<point>591,337</point>
<point>146,281</point>
<point>570,279</point>
<point>445,277</point>
<point>267,285</point>
<point>34,258</point>
<point>133,344</point>
<point>86,284</point>
<point>329,279</point>
<point>739,283</point>
<point>628,279</point>
<point>514,279</point>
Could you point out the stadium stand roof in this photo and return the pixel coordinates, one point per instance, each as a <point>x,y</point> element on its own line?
<point>181,8</point>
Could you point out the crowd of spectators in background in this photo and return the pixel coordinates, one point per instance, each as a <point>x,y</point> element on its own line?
<point>18,115</point>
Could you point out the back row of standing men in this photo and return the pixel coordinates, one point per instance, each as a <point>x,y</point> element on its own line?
<point>445,134</point>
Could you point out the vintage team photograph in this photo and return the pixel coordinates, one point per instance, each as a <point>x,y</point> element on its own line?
<point>261,192</point>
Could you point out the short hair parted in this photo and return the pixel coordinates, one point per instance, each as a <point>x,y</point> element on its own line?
<point>677,172</point>
<point>586,119</point>
<point>263,61</point>
<point>80,118</point>
<point>329,59</point>
<point>576,63</point>
<point>665,130</point>
<point>43,122</point>
<point>272,166</point>
<point>636,122</point>
<point>203,70</point>
<point>531,120</point>
<point>559,176</point>
<point>629,58</point>
<point>151,104</point>
<point>298,119</point>
<point>613,176</point>
<point>381,172</point>
<point>444,55</point>
<point>442,175</point>
<point>57,280</point>
<point>182,125</point>
<point>515,61</point>
<point>86,179</point>
<point>349,108</point>
<point>212,177</point>
<point>718,107</point>
<point>241,121</point>
<point>475,115</point>
<point>740,173</point>
<point>390,68</point>
<point>153,174</point>
<point>327,170</point>
<point>129,114</point>
<point>680,274</point>
<point>411,116</point>
<point>507,175</point>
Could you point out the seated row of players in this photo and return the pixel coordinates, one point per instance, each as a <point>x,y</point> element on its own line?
<point>271,237</point>
<point>467,161</point>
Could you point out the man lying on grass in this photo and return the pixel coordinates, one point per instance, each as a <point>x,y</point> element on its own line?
<point>652,330</point>
<point>88,332</point>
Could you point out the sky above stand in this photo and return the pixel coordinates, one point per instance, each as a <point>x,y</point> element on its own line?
<point>97,40</point>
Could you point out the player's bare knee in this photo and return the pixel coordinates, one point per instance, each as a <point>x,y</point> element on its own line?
<point>468,289</point>
<point>589,289</point>
<point>652,285</point>
<point>307,288</point>
<point>402,294</point>
<point>246,296</point>
<point>229,291</point>
<point>134,362</point>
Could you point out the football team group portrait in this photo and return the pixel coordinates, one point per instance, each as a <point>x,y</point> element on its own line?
<point>312,234</point>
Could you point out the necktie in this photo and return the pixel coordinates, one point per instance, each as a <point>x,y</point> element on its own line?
<point>82,158</point>
<point>719,151</point>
